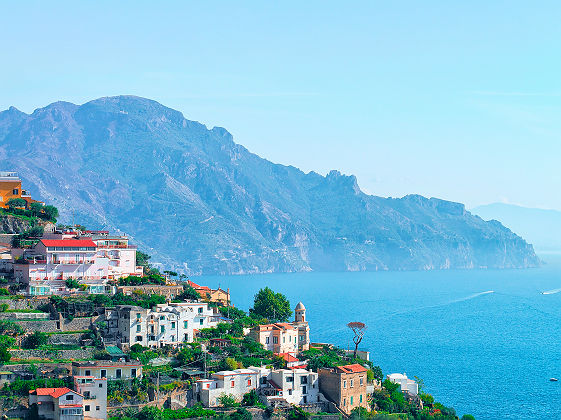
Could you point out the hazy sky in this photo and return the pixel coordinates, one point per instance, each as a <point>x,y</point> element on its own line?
<point>458,100</point>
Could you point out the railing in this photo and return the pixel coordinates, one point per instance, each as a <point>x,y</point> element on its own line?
<point>73,262</point>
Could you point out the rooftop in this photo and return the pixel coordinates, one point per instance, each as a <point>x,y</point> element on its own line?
<point>355,368</point>
<point>53,392</point>
<point>71,243</point>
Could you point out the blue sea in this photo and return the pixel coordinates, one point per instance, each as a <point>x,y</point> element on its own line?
<point>484,341</point>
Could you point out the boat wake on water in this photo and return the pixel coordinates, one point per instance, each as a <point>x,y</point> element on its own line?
<point>475,295</point>
<point>551,292</point>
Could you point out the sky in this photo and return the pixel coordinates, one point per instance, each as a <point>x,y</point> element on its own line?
<point>456,100</point>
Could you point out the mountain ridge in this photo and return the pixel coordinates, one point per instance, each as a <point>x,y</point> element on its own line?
<point>207,205</point>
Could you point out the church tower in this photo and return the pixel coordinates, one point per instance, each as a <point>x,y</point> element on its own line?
<point>303,327</point>
<point>300,313</point>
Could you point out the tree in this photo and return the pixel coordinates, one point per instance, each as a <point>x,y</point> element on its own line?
<point>358,328</point>
<point>250,399</point>
<point>50,213</point>
<point>468,417</point>
<point>35,340</point>
<point>189,294</point>
<point>72,284</point>
<point>36,209</point>
<point>16,203</point>
<point>227,401</point>
<point>359,413</point>
<point>273,306</point>
<point>170,273</point>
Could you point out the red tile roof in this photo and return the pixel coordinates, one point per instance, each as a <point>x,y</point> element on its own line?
<point>74,243</point>
<point>288,357</point>
<point>197,287</point>
<point>53,392</point>
<point>355,368</point>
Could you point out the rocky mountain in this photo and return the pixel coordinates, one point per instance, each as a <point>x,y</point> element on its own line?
<point>541,227</point>
<point>195,199</point>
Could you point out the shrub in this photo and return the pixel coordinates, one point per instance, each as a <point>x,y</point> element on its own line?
<point>227,401</point>
<point>35,340</point>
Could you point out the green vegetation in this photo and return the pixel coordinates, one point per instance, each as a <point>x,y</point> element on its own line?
<point>152,278</point>
<point>121,391</point>
<point>17,207</point>
<point>34,233</point>
<point>20,387</point>
<point>153,413</point>
<point>273,306</point>
<point>188,294</point>
<point>10,328</point>
<point>72,284</point>
<point>5,343</point>
<point>35,340</point>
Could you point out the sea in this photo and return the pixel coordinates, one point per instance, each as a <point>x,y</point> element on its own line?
<point>485,342</point>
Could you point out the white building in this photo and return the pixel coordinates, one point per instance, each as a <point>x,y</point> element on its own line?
<point>94,392</point>
<point>234,383</point>
<point>57,403</point>
<point>293,386</point>
<point>288,386</point>
<point>90,260</point>
<point>105,369</point>
<point>165,324</point>
<point>407,385</point>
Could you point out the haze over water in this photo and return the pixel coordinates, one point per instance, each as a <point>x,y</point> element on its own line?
<point>484,341</point>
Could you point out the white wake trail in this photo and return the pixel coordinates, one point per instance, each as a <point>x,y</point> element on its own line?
<point>551,292</point>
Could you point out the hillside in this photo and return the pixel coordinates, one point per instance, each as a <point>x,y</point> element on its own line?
<point>195,199</point>
<point>540,227</point>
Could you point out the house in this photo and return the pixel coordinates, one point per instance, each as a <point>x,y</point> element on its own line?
<point>165,324</point>
<point>408,386</point>
<point>94,392</point>
<point>57,403</point>
<point>219,296</point>
<point>234,383</point>
<point>345,386</point>
<point>284,337</point>
<point>91,260</point>
<point>105,369</point>
<point>10,189</point>
<point>291,361</point>
<point>291,386</point>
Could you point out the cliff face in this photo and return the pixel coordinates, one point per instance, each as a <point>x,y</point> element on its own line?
<point>193,198</point>
<point>11,224</point>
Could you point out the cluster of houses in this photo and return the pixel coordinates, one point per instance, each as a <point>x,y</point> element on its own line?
<point>95,259</point>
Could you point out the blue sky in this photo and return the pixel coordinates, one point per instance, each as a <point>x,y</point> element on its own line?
<point>458,100</point>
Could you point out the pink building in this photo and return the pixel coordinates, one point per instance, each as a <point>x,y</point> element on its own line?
<point>57,403</point>
<point>91,260</point>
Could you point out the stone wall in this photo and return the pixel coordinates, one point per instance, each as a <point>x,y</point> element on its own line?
<point>71,339</point>
<point>26,303</point>
<point>14,316</point>
<point>77,324</point>
<point>53,354</point>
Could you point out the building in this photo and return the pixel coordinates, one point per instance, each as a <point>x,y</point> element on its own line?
<point>291,361</point>
<point>164,325</point>
<point>60,256</point>
<point>10,189</point>
<point>57,403</point>
<point>94,392</point>
<point>234,383</point>
<point>222,297</point>
<point>284,337</point>
<point>291,386</point>
<point>407,385</point>
<point>345,386</point>
<point>105,369</point>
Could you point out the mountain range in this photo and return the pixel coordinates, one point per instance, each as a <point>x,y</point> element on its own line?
<point>540,227</point>
<point>199,202</point>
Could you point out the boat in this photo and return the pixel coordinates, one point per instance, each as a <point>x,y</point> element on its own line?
<point>553,379</point>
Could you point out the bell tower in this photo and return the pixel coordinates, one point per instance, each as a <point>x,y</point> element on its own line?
<point>300,313</point>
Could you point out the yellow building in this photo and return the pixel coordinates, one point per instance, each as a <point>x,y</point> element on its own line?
<point>10,188</point>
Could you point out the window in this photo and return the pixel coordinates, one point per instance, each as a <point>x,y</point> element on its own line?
<point>185,324</point>
<point>249,382</point>
<point>163,329</point>
<point>303,379</point>
<point>352,400</point>
<point>133,373</point>
<point>137,316</point>
<point>201,310</point>
<point>15,191</point>
<point>283,339</point>
<point>352,383</point>
<point>138,338</point>
<point>361,380</point>
<point>266,340</point>
<point>275,340</point>
<point>97,408</point>
<point>118,373</point>
<point>138,328</point>
<point>232,384</point>
<point>301,338</point>
<point>87,394</point>
<point>289,379</point>
<point>344,402</point>
<point>186,337</point>
<point>304,390</point>
<point>360,398</point>
<point>289,392</point>
<point>201,321</point>
<point>88,373</point>
<point>344,384</point>
<point>103,373</point>
<point>69,397</point>
<point>86,408</point>
<point>173,324</point>
<point>100,385</point>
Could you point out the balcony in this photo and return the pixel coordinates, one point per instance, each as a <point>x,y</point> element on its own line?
<point>72,262</point>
